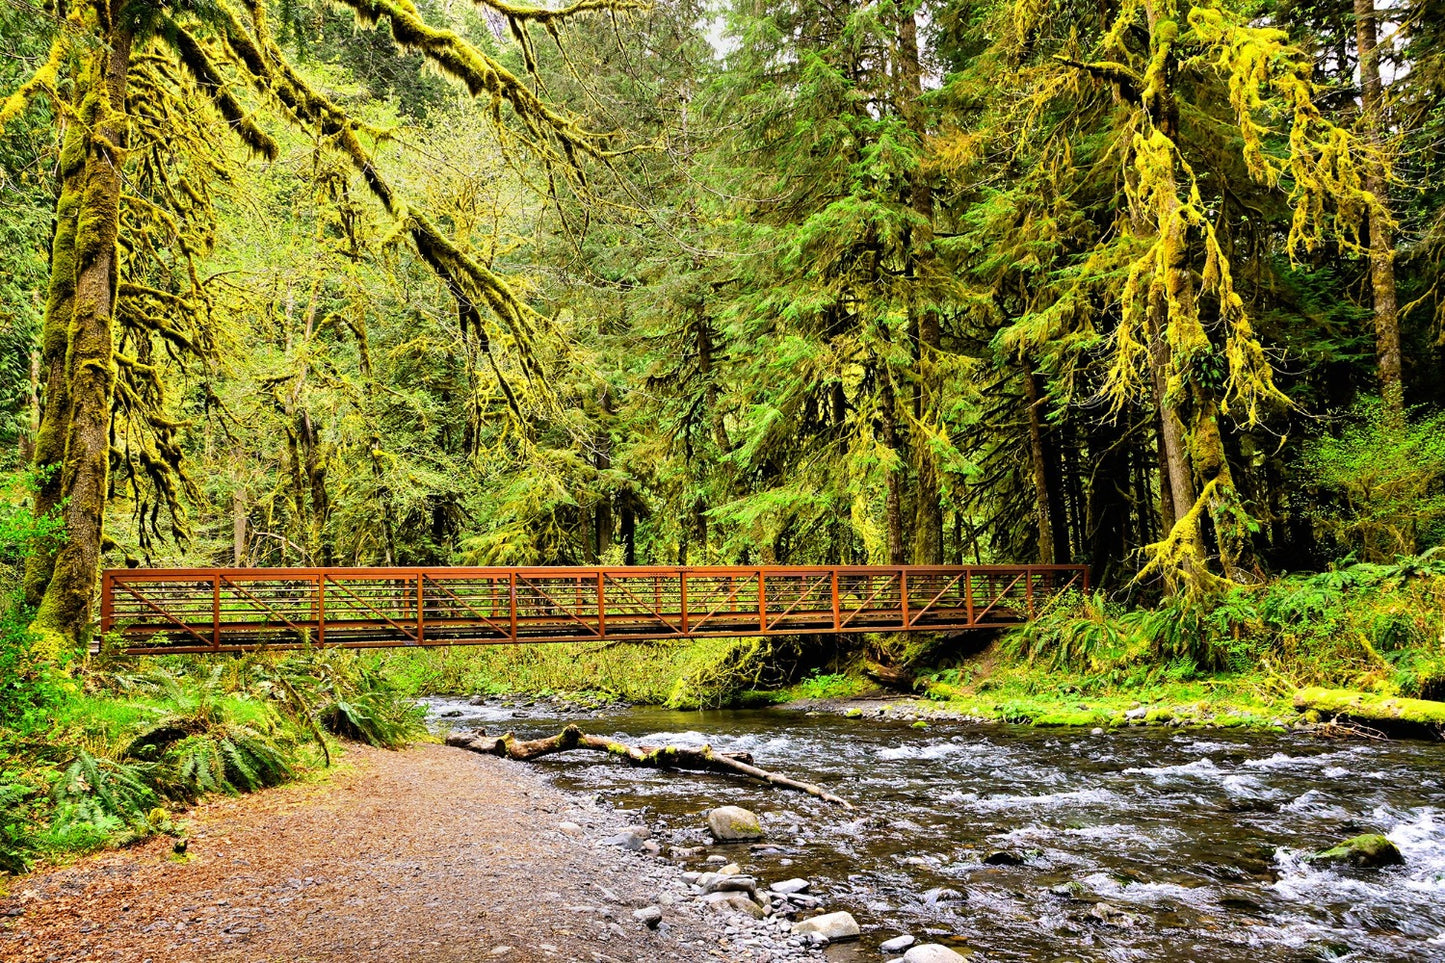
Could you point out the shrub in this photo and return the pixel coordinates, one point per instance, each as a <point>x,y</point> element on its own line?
<point>1383,482</point>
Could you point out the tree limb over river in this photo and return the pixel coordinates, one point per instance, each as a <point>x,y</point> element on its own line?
<point>651,757</point>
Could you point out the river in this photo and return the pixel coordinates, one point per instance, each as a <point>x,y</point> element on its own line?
<point>1194,837</point>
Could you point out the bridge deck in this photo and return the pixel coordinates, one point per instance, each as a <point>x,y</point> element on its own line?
<point>236,610</point>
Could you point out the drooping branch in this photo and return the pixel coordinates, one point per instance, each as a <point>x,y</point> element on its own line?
<point>702,758</point>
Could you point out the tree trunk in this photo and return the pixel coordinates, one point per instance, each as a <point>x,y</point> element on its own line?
<point>238,527</point>
<point>927,502</point>
<point>49,445</point>
<point>1040,467</point>
<point>664,757</point>
<point>603,462</point>
<point>89,358</point>
<point>1382,240</point>
<point>893,499</point>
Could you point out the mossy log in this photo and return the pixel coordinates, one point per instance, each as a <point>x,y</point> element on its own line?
<point>890,676</point>
<point>1380,711</point>
<point>702,758</point>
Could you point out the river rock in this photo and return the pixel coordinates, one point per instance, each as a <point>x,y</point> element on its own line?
<point>1110,915</point>
<point>734,822</point>
<point>625,840</point>
<point>731,884</point>
<point>832,926</point>
<point>733,902</point>
<point>897,943</point>
<point>649,916</point>
<point>729,869</point>
<point>942,894</point>
<point>1369,851</point>
<point>933,953</point>
<point>1002,857</point>
<point>790,886</point>
<point>570,828</point>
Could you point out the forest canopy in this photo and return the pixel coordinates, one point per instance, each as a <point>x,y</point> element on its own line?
<point>1150,285</point>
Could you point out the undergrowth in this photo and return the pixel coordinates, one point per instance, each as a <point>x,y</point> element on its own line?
<point>1368,626</point>
<point>104,751</point>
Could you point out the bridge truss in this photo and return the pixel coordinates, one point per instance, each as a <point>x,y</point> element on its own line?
<point>236,610</point>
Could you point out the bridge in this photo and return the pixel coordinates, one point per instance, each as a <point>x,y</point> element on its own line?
<point>158,611</point>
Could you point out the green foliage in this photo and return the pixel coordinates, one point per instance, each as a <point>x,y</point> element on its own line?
<point>1368,626</point>
<point>717,671</point>
<point>1381,481</point>
<point>834,685</point>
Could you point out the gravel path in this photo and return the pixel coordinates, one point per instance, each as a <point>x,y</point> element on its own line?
<point>432,854</point>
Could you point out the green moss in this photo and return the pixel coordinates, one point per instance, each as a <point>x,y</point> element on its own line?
<point>1371,708</point>
<point>1368,851</point>
<point>1065,717</point>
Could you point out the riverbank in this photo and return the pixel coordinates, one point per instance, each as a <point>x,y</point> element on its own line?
<point>425,854</point>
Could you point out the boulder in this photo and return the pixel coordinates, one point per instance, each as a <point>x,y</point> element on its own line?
<point>933,953</point>
<point>1370,851</point>
<point>729,823</point>
<point>1002,857</point>
<point>830,926</point>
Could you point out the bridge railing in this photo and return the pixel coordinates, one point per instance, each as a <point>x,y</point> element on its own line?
<point>232,610</point>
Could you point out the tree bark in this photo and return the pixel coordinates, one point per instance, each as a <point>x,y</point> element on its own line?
<point>1382,239</point>
<point>664,757</point>
<point>927,501</point>
<point>238,527</point>
<point>89,357</point>
<point>893,498</point>
<point>49,449</point>
<point>1040,468</point>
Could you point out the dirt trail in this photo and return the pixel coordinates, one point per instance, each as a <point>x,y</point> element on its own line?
<point>432,854</point>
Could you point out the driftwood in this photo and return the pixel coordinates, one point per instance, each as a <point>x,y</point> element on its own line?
<point>652,757</point>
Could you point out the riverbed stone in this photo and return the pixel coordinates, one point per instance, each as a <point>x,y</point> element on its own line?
<point>796,885</point>
<point>897,943</point>
<point>729,823</point>
<point>1369,851</point>
<point>942,894</point>
<point>1002,857</point>
<point>833,926</point>
<point>649,916</point>
<point>731,884</point>
<point>933,953</point>
<point>732,902</point>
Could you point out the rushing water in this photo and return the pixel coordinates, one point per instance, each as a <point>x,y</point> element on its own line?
<point>1195,837</point>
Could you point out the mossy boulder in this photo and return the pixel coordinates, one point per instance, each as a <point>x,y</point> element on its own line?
<point>729,823</point>
<point>1370,851</point>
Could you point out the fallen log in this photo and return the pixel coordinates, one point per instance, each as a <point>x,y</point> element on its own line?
<point>1410,715</point>
<point>701,758</point>
<point>890,676</point>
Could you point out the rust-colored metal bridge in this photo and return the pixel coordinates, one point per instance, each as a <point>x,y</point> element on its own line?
<point>236,610</point>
